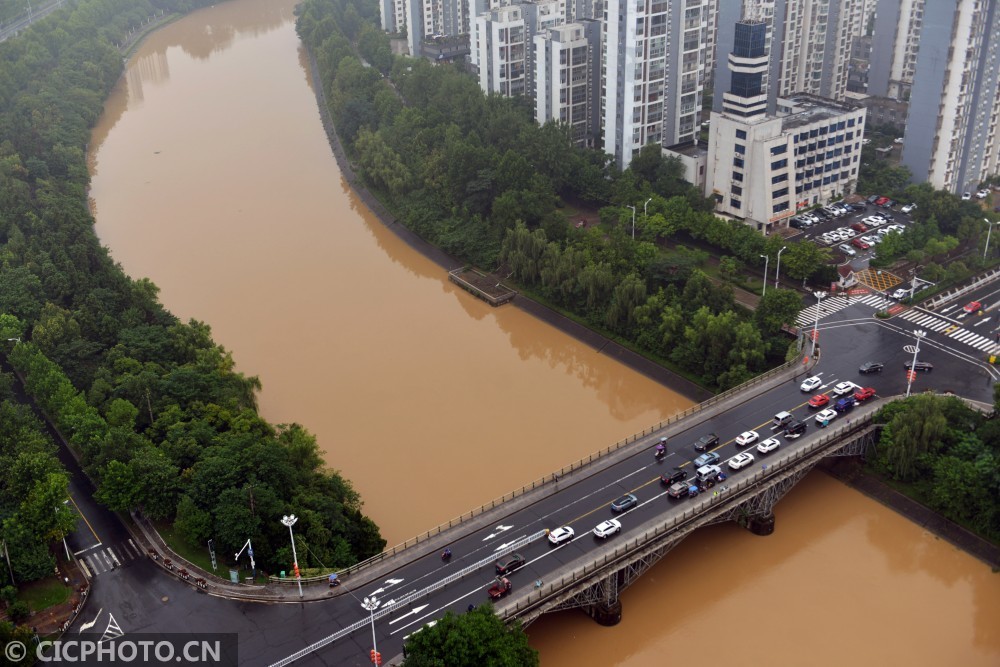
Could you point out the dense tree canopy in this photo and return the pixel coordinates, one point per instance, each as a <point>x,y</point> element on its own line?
<point>161,419</point>
<point>477,638</point>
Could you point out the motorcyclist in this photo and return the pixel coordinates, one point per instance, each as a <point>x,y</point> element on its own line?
<point>661,447</point>
<point>446,554</point>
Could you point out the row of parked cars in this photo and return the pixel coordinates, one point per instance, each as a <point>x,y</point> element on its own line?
<point>828,212</point>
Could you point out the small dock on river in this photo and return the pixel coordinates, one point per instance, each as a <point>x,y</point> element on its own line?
<point>486,286</point>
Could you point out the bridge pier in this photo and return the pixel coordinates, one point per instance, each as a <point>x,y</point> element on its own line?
<point>606,613</point>
<point>759,524</point>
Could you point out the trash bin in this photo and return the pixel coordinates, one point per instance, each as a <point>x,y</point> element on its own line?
<point>282,574</point>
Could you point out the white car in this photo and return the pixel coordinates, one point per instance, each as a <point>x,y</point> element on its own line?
<point>847,250</point>
<point>826,416</point>
<point>768,446</point>
<point>747,438</point>
<point>810,383</point>
<point>868,239</point>
<point>982,194</point>
<point>849,233</point>
<point>741,460</point>
<point>607,528</point>
<point>908,208</point>
<point>843,388</point>
<point>560,535</point>
<point>966,196</point>
<point>900,294</point>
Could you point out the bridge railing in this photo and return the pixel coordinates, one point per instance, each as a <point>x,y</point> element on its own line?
<point>691,513</point>
<point>553,476</point>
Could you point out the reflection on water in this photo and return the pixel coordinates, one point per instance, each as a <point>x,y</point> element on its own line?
<point>218,184</point>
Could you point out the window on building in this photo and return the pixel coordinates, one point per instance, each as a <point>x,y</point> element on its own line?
<point>737,190</point>
<point>738,162</point>
<point>741,134</point>
<point>737,176</point>
<point>740,148</point>
<point>783,206</point>
<point>735,203</point>
<point>779,164</point>
<point>779,150</point>
<point>779,193</point>
<point>780,178</point>
<point>850,122</point>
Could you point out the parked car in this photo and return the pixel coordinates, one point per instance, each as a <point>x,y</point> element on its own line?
<point>747,438</point>
<point>923,366</point>
<point>982,194</point>
<point>857,207</point>
<point>863,394</point>
<point>705,459</point>
<point>768,446</point>
<point>881,201</point>
<point>625,503</point>
<point>847,250</point>
<point>510,563</point>
<point>873,199</point>
<point>859,227</point>
<point>810,383</point>
<point>561,534</point>
<point>860,244</point>
<point>966,196</point>
<point>818,401</point>
<point>870,367</point>
<point>607,528</point>
<point>706,442</point>
<point>826,416</point>
<point>900,294</point>
<point>741,460</point>
<point>909,208</point>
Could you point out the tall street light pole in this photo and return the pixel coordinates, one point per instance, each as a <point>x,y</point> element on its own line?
<point>777,271</point>
<point>290,521</point>
<point>913,371</point>
<point>766,260</point>
<point>371,604</point>
<point>633,220</point>
<point>990,229</point>
<point>819,294</point>
<point>645,216</point>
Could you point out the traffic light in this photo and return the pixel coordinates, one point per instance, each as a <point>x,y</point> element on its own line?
<point>375,657</point>
<point>372,655</point>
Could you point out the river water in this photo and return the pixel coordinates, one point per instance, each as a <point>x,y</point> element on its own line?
<point>212,176</point>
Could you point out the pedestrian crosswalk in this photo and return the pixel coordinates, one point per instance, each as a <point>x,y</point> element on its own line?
<point>834,304</point>
<point>100,559</point>
<point>951,329</point>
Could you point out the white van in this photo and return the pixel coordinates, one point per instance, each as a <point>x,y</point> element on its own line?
<point>781,419</point>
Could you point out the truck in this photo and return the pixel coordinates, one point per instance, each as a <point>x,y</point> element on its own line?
<point>500,588</point>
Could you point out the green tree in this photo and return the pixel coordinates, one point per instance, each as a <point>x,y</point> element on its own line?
<point>474,639</point>
<point>777,307</point>
<point>802,260</point>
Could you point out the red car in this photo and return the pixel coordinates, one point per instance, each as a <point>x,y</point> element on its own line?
<point>972,306</point>
<point>881,200</point>
<point>818,401</point>
<point>864,394</point>
<point>859,227</point>
<point>860,244</point>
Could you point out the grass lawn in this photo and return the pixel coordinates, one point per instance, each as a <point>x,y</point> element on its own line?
<point>199,555</point>
<point>41,595</point>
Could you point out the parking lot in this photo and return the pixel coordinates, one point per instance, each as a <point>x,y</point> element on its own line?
<point>854,234</point>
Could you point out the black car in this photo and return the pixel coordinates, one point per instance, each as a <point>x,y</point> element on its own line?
<point>705,442</point>
<point>924,366</point>
<point>857,207</point>
<point>626,502</point>
<point>509,564</point>
<point>794,429</point>
<point>678,475</point>
<point>870,367</point>
<point>797,224</point>
<point>873,199</point>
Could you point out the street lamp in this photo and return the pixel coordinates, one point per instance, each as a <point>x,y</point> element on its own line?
<point>819,294</point>
<point>764,291</point>
<point>645,216</point>
<point>990,229</point>
<point>290,521</point>
<point>371,604</point>
<point>913,371</point>
<point>633,220</point>
<point>777,271</point>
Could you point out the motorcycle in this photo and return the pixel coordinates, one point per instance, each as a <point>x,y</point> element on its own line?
<point>661,449</point>
<point>446,555</point>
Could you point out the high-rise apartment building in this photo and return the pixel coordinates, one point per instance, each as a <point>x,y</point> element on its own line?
<point>505,45</point>
<point>393,15</point>
<point>567,78</point>
<point>896,39</point>
<point>654,71</point>
<point>951,130</point>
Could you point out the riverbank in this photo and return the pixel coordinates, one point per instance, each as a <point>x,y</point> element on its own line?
<point>600,343</point>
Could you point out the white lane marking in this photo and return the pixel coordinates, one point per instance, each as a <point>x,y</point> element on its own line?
<point>413,612</point>
<point>88,626</point>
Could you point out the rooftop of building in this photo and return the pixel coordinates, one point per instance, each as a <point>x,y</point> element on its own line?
<point>814,109</point>
<point>689,149</point>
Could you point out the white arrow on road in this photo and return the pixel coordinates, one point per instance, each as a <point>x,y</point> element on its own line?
<point>88,626</point>
<point>945,310</point>
<point>416,610</point>
<point>392,582</point>
<point>496,531</point>
<point>984,319</point>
